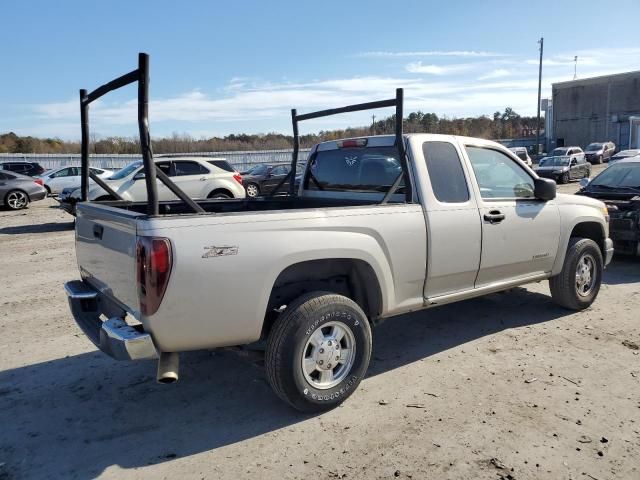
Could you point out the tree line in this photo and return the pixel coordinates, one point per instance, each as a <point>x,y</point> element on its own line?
<point>501,125</point>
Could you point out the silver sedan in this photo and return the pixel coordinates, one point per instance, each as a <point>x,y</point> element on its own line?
<point>16,190</point>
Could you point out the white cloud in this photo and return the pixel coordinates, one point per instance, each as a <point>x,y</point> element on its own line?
<point>418,67</point>
<point>432,53</point>
<point>497,73</point>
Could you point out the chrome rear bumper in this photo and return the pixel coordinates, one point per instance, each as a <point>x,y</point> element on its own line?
<point>113,336</point>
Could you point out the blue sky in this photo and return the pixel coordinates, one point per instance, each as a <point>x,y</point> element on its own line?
<point>240,66</point>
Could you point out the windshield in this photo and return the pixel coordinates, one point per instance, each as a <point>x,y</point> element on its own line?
<point>594,147</point>
<point>126,171</point>
<point>554,162</point>
<point>559,151</point>
<point>619,175</point>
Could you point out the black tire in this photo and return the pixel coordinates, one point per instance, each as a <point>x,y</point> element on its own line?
<point>564,178</point>
<point>564,287</point>
<point>48,191</point>
<point>289,341</point>
<point>219,195</point>
<point>599,159</point>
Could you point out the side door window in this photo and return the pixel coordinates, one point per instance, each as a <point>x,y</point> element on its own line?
<point>498,176</point>
<point>184,168</point>
<point>65,172</point>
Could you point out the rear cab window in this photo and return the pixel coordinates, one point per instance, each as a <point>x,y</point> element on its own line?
<point>223,164</point>
<point>360,169</point>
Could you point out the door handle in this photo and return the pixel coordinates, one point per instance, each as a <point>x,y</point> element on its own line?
<point>98,230</point>
<point>494,216</point>
<point>202,179</point>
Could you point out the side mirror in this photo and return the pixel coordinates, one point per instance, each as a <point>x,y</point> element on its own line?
<point>584,182</point>
<point>138,176</point>
<point>544,189</point>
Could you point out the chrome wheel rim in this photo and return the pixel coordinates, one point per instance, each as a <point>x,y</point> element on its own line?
<point>252,190</point>
<point>585,275</point>
<point>17,200</point>
<point>328,355</point>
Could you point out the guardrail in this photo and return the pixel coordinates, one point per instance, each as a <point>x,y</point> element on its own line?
<point>239,160</point>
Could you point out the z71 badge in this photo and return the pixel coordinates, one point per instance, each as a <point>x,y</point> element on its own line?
<point>220,251</point>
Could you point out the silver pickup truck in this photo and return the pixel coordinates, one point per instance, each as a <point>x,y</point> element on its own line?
<point>380,226</point>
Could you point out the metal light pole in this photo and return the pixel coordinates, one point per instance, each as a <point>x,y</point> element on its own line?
<point>541,42</point>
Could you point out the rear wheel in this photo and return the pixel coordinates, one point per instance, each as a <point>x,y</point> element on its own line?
<point>219,195</point>
<point>16,200</point>
<point>578,284</point>
<point>46,187</point>
<point>318,351</point>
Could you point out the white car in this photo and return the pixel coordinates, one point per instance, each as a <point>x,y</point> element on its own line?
<point>58,179</point>
<point>522,154</point>
<point>198,177</point>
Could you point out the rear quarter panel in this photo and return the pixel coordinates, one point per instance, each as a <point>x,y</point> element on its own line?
<point>216,301</point>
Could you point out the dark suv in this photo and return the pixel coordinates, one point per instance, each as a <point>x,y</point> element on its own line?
<point>25,168</point>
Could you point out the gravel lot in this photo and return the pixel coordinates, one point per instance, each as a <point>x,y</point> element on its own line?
<point>506,386</point>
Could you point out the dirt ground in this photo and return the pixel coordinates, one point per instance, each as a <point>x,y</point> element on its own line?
<point>506,386</point>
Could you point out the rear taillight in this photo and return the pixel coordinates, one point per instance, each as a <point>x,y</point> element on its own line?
<point>39,181</point>
<point>153,267</point>
<point>238,178</point>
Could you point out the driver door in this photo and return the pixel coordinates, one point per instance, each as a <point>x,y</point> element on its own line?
<point>520,234</point>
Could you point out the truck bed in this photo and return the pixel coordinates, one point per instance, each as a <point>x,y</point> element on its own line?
<point>178,207</point>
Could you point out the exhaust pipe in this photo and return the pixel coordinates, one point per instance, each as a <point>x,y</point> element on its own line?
<point>168,366</point>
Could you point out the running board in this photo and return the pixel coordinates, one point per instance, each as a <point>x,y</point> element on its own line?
<point>484,290</point>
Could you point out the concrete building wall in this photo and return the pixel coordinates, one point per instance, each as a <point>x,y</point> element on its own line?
<point>596,109</point>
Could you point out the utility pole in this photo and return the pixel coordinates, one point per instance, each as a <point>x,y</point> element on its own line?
<point>575,67</point>
<point>373,124</point>
<point>541,42</point>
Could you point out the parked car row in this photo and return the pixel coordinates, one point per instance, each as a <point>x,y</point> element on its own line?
<point>564,168</point>
<point>619,187</point>
<point>198,177</point>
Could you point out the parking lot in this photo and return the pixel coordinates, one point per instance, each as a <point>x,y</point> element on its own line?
<point>506,386</point>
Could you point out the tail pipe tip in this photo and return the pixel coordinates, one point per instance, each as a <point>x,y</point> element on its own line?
<point>168,366</point>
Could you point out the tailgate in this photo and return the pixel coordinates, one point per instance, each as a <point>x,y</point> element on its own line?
<point>106,251</point>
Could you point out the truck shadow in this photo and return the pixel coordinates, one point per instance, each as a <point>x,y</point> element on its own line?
<point>77,416</point>
<point>37,228</point>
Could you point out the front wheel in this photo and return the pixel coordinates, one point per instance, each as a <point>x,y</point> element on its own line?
<point>578,284</point>
<point>16,200</point>
<point>253,190</point>
<point>564,178</point>
<point>318,351</point>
